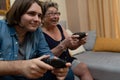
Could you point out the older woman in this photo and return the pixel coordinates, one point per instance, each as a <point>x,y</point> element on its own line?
<point>59,42</point>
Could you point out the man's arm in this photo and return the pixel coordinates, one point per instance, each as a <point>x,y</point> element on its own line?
<point>9,67</point>
<point>34,68</point>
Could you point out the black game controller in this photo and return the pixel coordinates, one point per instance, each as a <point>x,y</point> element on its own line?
<point>81,34</point>
<point>56,63</point>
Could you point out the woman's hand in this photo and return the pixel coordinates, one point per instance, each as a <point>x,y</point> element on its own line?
<point>73,42</point>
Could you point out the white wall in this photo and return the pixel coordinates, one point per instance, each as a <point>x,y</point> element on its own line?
<point>62,9</point>
<point>11,2</point>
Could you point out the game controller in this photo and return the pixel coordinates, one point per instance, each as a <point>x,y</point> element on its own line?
<point>56,63</point>
<point>81,34</point>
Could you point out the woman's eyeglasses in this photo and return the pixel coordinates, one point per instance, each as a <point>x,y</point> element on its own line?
<point>53,14</point>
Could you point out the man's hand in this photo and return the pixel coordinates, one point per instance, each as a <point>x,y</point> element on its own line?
<point>34,68</point>
<point>62,72</point>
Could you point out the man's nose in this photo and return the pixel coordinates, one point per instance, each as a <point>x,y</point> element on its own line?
<point>36,18</point>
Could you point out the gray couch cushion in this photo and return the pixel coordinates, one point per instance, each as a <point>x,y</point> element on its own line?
<point>90,40</point>
<point>102,65</point>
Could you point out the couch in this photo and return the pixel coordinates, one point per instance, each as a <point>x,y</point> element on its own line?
<point>102,55</point>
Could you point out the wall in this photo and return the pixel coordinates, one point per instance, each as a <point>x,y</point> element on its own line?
<point>62,9</point>
<point>77,15</point>
<point>11,2</point>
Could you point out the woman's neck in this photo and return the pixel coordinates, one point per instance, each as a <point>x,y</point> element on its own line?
<point>53,32</point>
<point>49,28</point>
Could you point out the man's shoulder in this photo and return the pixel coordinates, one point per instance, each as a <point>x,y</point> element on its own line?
<point>3,21</point>
<point>3,25</point>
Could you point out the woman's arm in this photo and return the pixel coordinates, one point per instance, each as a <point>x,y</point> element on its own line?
<point>70,42</point>
<point>58,50</point>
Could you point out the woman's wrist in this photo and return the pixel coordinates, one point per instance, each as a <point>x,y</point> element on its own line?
<point>62,47</point>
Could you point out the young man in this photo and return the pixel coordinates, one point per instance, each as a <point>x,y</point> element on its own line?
<point>21,41</point>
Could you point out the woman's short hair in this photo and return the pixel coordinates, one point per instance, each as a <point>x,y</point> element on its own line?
<point>47,5</point>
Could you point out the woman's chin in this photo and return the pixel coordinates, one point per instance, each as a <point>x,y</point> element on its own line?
<point>54,24</point>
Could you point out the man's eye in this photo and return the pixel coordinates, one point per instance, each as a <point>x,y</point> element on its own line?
<point>31,13</point>
<point>34,14</point>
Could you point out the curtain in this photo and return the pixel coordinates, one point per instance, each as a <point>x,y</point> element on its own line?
<point>104,17</point>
